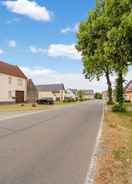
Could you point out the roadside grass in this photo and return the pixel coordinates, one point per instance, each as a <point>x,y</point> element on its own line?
<point>129,106</point>
<point>114,162</point>
<point>22,107</point>
<point>29,106</point>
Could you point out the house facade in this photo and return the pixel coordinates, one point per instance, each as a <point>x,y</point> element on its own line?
<point>56,91</point>
<point>128,91</point>
<point>13,84</point>
<point>88,94</point>
<point>70,95</point>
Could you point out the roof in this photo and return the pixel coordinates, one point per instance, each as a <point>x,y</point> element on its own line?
<point>50,87</point>
<point>128,88</point>
<point>12,70</point>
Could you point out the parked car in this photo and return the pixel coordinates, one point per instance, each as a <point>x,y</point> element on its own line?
<point>46,100</point>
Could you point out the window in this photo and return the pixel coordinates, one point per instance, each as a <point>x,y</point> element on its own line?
<point>9,94</point>
<point>20,82</point>
<point>9,80</point>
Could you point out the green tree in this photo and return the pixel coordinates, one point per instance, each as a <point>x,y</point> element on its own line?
<point>105,41</point>
<point>119,42</point>
<point>98,95</point>
<point>100,6</point>
<point>92,37</point>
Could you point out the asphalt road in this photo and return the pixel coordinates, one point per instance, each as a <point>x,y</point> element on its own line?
<point>50,147</point>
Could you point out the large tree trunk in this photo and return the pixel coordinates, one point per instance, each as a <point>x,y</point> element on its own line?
<point>110,99</point>
<point>119,89</point>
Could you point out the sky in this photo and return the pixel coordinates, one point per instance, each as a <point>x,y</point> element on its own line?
<point>40,37</point>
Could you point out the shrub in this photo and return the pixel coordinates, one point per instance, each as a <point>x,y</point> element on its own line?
<point>34,105</point>
<point>110,103</point>
<point>118,108</point>
<point>22,105</point>
<point>128,101</point>
<point>69,100</point>
<point>81,99</point>
<point>98,96</point>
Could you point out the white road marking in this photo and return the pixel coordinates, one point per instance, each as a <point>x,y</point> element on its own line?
<point>92,168</point>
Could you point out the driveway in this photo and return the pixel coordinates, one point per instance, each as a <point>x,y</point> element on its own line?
<point>49,147</point>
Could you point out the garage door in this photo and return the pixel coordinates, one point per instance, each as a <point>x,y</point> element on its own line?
<point>19,96</point>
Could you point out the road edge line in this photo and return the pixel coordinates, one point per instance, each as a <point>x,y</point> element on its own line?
<point>90,178</point>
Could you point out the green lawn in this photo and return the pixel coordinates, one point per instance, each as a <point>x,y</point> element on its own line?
<point>22,107</point>
<point>28,107</point>
<point>129,106</point>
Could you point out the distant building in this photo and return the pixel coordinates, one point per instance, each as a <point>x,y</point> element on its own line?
<point>56,91</point>
<point>13,84</point>
<point>88,94</point>
<point>128,91</point>
<point>69,94</point>
<point>74,91</point>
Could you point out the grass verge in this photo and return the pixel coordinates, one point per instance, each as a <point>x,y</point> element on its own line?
<point>114,162</point>
<point>29,107</point>
<point>21,107</point>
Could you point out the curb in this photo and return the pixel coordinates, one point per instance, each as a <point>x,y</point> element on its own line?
<point>90,178</point>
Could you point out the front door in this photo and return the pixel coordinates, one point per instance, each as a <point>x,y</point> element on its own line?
<point>19,96</point>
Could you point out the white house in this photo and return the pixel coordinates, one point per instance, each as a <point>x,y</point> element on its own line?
<point>13,84</point>
<point>88,94</point>
<point>70,95</point>
<point>55,91</point>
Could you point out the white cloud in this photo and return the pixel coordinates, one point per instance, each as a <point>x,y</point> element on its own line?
<point>41,75</point>
<point>58,50</point>
<point>1,51</point>
<point>28,8</point>
<point>61,50</point>
<point>37,72</point>
<point>70,80</point>
<point>12,44</point>
<point>36,50</point>
<point>66,30</point>
<point>73,29</point>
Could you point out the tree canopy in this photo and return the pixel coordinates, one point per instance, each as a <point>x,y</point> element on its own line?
<point>105,41</point>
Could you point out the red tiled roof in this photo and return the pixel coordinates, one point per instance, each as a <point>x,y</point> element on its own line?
<point>129,87</point>
<point>12,70</point>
